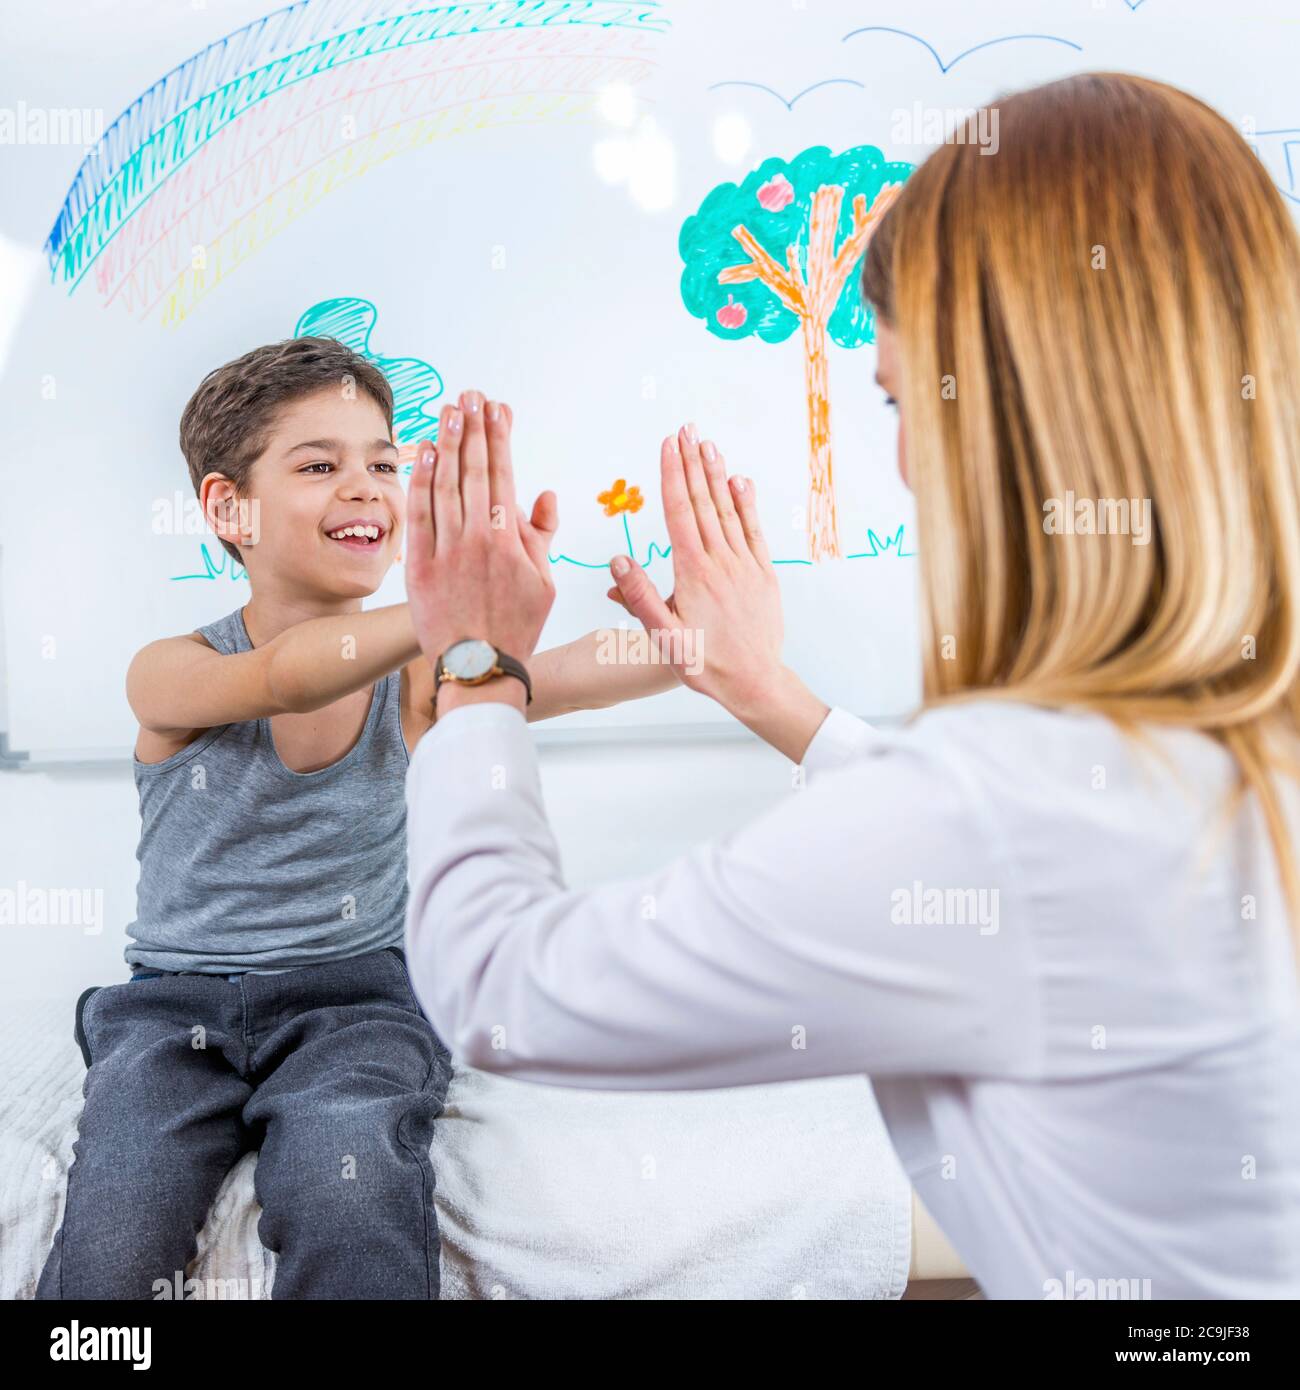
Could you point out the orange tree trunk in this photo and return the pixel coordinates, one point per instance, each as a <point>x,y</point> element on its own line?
<point>823,532</point>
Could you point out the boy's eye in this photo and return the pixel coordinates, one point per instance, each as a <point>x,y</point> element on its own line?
<point>321,464</point>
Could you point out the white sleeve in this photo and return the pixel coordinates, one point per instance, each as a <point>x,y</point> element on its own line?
<point>804,945</point>
<point>842,736</point>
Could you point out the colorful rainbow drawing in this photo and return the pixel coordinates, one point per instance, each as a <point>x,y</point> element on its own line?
<point>230,148</point>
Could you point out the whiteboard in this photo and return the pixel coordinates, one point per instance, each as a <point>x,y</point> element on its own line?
<point>497,195</point>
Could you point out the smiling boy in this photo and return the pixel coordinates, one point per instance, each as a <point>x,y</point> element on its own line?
<point>269,1006</point>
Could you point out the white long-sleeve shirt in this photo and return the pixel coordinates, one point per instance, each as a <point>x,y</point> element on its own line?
<point>1070,981</point>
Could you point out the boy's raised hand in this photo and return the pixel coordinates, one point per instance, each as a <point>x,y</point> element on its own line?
<point>476,566</point>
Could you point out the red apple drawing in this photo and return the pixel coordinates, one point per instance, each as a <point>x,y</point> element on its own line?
<point>732,315</point>
<point>776,193</point>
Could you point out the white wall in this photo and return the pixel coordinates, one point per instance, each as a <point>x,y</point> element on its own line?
<point>619,809</point>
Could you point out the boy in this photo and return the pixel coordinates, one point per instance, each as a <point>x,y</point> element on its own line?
<point>269,1005</point>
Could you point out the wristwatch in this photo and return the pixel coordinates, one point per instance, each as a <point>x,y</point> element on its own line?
<point>472,661</point>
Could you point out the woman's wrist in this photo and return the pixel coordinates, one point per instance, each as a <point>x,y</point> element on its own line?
<point>501,690</point>
<point>782,711</point>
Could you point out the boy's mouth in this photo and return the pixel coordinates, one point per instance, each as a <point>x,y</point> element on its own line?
<point>358,535</point>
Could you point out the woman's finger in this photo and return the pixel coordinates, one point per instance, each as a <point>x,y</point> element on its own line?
<point>447,517</point>
<point>697,486</point>
<point>679,514</point>
<point>742,490</point>
<point>421,538</point>
<point>670,602</point>
<point>715,471</point>
<point>475,496</point>
<point>641,598</point>
<point>497,422</point>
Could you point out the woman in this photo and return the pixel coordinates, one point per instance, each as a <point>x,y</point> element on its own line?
<point>1052,918</point>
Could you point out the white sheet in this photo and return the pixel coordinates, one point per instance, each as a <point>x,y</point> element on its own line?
<point>786,1191</point>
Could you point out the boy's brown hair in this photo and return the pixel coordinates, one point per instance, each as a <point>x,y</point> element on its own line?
<point>225,426</point>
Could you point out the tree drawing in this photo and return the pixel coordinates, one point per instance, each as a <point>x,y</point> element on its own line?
<point>779,252</point>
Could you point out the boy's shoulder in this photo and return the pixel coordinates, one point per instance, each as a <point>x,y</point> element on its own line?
<point>180,661</point>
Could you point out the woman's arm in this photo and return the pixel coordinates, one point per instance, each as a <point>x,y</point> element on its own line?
<point>791,949</point>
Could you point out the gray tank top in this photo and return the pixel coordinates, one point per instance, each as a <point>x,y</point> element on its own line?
<point>247,865</point>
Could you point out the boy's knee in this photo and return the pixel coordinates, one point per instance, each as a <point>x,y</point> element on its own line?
<point>343,1181</point>
<point>336,1214</point>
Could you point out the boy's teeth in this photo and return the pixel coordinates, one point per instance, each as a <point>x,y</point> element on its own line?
<point>369,532</point>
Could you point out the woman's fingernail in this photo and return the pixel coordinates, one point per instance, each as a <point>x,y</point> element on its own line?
<point>691,432</point>
<point>709,452</point>
<point>619,564</point>
<point>426,460</point>
<point>739,483</point>
<point>492,410</point>
<point>453,422</point>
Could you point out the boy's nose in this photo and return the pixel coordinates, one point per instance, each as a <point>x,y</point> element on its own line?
<point>358,485</point>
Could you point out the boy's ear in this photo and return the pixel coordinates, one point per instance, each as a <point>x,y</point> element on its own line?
<point>221,508</point>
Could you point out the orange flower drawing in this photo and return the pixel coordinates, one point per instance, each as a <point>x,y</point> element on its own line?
<point>621,498</point>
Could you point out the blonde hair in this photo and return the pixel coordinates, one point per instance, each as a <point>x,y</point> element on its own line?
<point>1113,300</point>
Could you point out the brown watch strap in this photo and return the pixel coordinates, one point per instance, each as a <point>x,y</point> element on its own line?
<point>510,667</point>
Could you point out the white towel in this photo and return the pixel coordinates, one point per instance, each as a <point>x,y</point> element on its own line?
<point>783,1191</point>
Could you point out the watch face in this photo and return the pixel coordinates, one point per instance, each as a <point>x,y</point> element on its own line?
<point>470,658</point>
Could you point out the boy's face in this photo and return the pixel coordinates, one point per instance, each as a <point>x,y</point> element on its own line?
<point>329,464</point>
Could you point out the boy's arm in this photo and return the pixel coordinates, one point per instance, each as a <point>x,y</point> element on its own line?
<point>180,683</point>
<point>566,678</point>
<point>582,675</point>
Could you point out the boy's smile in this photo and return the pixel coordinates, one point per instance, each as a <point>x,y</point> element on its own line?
<point>358,532</point>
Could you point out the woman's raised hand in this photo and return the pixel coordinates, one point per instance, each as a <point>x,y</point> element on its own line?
<point>476,563</point>
<point>722,629</point>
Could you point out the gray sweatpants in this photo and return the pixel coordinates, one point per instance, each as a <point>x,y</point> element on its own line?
<point>331,1071</point>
